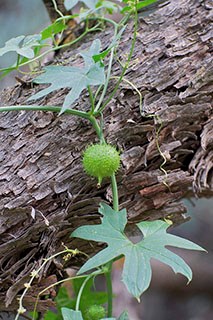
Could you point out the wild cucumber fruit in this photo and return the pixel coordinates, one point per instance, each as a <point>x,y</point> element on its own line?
<point>101,161</point>
<point>95,312</point>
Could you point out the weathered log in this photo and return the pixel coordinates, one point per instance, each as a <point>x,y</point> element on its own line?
<point>41,169</point>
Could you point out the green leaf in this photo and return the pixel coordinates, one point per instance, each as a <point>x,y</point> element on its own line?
<point>4,72</point>
<point>22,45</point>
<point>145,3</point>
<point>63,299</point>
<point>49,315</point>
<point>89,297</point>
<point>69,4</point>
<point>137,270</point>
<point>103,54</point>
<point>69,314</point>
<point>75,78</point>
<point>140,5</point>
<point>53,29</point>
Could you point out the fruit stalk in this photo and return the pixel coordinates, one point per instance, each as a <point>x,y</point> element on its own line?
<point>114,193</point>
<point>97,128</point>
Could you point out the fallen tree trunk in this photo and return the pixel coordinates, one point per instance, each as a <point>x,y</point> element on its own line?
<point>41,172</point>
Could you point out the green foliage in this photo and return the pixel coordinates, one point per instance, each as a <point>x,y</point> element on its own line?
<point>69,314</point>
<point>53,29</point>
<point>101,161</point>
<point>144,3</point>
<point>95,312</point>
<point>136,5</point>
<point>62,300</point>
<point>137,270</point>
<point>28,47</point>
<point>22,45</point>
<point>103,54</point>
<point>75,78</point>
<point>88,299</point>
<point>49,315</point>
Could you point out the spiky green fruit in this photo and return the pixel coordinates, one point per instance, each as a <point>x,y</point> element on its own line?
<point>101,161</point>
<point>95,312</point>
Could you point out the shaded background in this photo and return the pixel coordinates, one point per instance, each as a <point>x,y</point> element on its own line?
<point>19,17</point>
<point>169,297</point>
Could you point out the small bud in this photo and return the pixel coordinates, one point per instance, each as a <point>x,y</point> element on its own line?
<point>21,310</point>
<point>34,274</point>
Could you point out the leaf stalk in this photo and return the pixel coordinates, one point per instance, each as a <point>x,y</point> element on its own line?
<point>108,276</point>
<point>73,112</point>
<point>125,66</point>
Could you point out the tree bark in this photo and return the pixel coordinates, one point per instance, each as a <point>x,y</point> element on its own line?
<point>41,171</point>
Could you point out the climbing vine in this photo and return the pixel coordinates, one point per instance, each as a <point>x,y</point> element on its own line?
<point>100,160</point>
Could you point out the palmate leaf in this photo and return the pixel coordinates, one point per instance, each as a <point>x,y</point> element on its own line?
<point>137,270</point>
<point>69,4</point>
<point>75,78</point>
<point>22,45</point>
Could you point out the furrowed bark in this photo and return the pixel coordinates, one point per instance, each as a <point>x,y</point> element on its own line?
<point>41,171</point>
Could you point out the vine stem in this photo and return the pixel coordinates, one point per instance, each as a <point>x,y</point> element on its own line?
<point>109,66</point>
<point>110,62</point>
<point>73,112</point>
<point>77,306</point>
<point>97,128</point>
<point>94,274</point>
<point>91,98</point>
<point>98,110</point>
<point>56,8</point>
<point>114,193</point>
<point>107,80</point>
<point>108,274</point>
<point>124,68</point>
